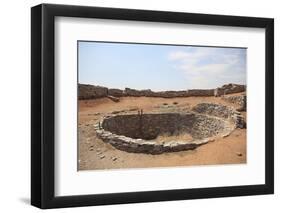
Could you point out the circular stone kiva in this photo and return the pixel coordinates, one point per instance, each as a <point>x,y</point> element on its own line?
<point>155,133</point>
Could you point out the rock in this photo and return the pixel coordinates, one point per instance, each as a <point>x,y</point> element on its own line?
<point>117,111</point>
<point>91,149</point>
<point>114,158</point>
<point>132,109</point>
<point>241,109</point>
<point>225,135</point>
<point>240,122</point>
<point>102,156</point>
<point>239,154</point>
<point>115,99</point>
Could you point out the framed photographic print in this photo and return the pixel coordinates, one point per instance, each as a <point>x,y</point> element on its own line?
<point>139,106</point>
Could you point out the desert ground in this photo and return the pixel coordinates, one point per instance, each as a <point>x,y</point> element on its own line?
<point>95,154</point>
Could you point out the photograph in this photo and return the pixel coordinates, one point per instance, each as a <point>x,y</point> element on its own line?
<point>142,105</point>
<point>145,105</point>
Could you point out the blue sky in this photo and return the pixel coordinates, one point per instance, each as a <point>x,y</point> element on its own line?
<point>159,67</point>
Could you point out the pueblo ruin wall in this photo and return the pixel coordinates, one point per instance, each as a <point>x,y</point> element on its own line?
<point>93,92</point>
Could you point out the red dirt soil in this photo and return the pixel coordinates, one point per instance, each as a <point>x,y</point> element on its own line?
<point>95,154</point>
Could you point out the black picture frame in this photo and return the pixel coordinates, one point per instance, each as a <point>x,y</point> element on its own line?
<point>43,105</point>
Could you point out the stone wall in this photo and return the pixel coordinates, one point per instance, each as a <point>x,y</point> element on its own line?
<point>229,89</point>
<point>136,132</point>
<point>221,111</point>
<point>240,100</point>
<point>92,92</point>
<point>201,92</point>
<point>143,146</point>
<point>137,93</point>
<point>149,126</point>
<point>116,92</point>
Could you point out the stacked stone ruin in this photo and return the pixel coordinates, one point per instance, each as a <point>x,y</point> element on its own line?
<point>93,92</point>
<point>137,132</point>
<point>240,100</point>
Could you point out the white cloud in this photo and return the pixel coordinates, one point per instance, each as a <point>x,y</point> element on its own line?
<point>206,67</point>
